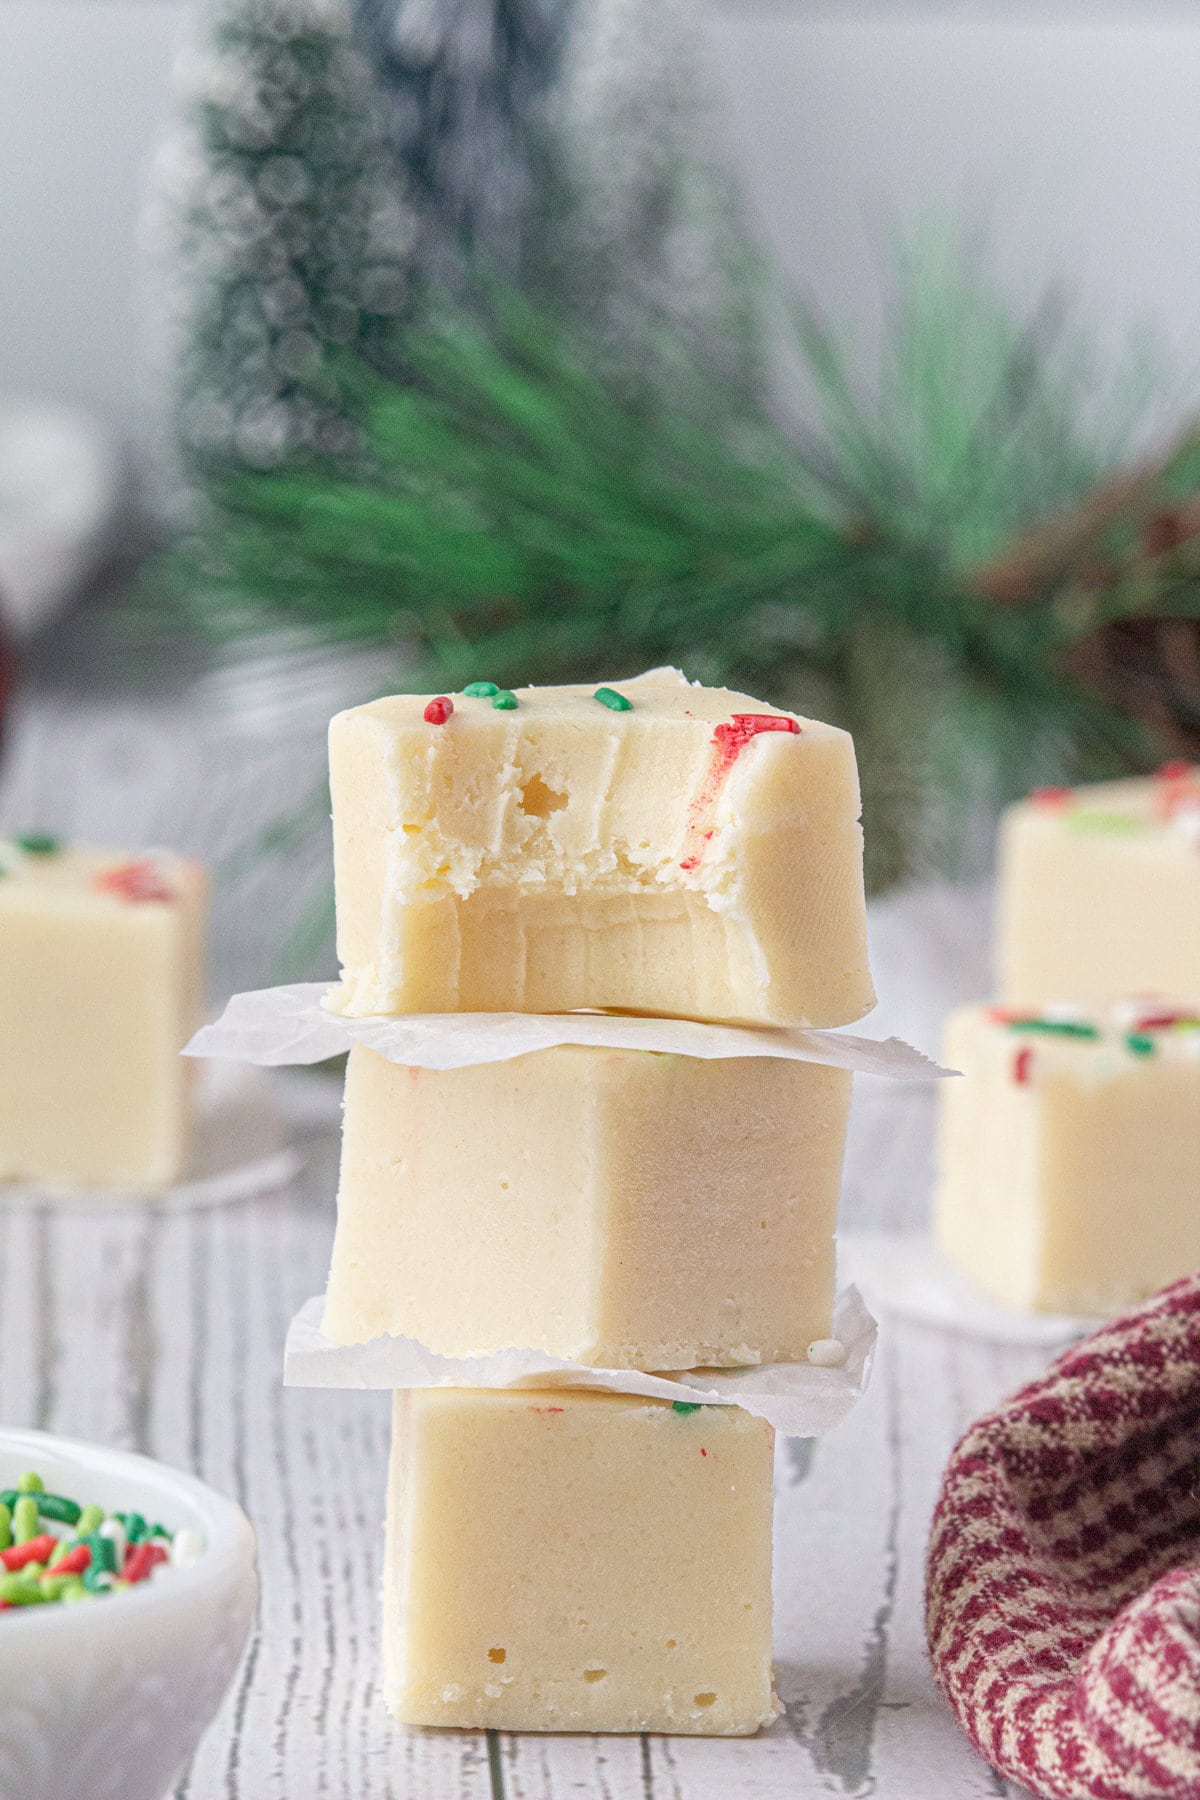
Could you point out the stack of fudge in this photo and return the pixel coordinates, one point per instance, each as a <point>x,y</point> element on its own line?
<point>564,1558</point>
<point>1070,1155</point>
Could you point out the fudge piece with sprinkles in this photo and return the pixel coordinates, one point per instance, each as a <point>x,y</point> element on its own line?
<point>620,1207</point>
<point>101,984</point>
<point>644,845</point>
<point>1099,891</point>
<point>566,1561</point>
<point>1069,1154</point>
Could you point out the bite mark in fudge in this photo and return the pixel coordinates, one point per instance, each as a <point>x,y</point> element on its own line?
<point>694,854</point>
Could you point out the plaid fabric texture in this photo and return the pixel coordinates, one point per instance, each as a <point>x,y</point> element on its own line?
<point>1063,1575</point>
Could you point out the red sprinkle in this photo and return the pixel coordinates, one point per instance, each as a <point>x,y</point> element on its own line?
<point>135,881</point>
<point>728,742</point>
<point>1176,795</point>
<point>75,1561</point>
<point>38,1549</point>
<point>704,1452</point>
<point>744,726</point>
<point>439,710</point>
<point>1162,1021</point>
<point>1051,796</point>
<point>545,1409</point>
<point>140,1559</point>
<point>1179,770</point>
<point>1022,1062</point>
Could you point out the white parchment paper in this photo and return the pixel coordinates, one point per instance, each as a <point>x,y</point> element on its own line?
<point>907,1275</point>
<point>797,1398</point>
<point>291,1025</point>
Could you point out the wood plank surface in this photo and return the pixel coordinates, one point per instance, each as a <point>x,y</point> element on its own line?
<point>164,1332</point>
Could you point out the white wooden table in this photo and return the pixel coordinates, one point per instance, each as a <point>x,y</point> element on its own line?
<point>164,1333</point>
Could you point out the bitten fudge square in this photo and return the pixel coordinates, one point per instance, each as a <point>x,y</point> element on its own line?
<point>684,851</point>
<point>567,1561</point>
<point>101,979</point>
<point>623,1208</point>
<point>1099,891</point>
<point>1069,1153</point>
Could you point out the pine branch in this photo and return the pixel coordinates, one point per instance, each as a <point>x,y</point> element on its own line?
<point>518,516</point>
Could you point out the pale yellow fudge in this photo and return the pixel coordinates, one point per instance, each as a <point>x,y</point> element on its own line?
<point>1099,891</point>
<point>568,1561</point>
<point>621,1207</point>
<point>1069,1176</point>
<point>101,984</point>
<point>651,847</point>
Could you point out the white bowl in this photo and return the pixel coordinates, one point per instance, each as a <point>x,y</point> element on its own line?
<point>107,1700</point>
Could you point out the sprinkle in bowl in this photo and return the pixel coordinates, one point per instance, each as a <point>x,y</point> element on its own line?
<point>107,1698</point>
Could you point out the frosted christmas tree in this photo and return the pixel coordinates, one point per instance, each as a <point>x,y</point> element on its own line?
<point>287,236</point>
<point>340,164</point>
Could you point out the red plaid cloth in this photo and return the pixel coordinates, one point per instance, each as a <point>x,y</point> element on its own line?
<point>1063,1576</point>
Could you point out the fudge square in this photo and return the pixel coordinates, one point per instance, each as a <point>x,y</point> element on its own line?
<point>1070,1153</point>
<point>651,847</point>
<point>566,1561</point>
<point>624,1208</point>
<point>101,984</point>
<point>1099,891</point>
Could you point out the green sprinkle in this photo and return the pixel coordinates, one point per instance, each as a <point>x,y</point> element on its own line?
<point>63,1548</point>
<point>135,1526</point>
<point>30,1483</point>
<point>57,1506</point>
<point>1075,1028</point>
<point>504,700</point>
<point>1082,818</point>
<point>686,1406</point>
<point>104,1553</point>
<point>97,1581</point>
<point>1138,1044</point>
<point>9,1496</point>
<point>89,1520</point>
<point>74,1591</point>
<point>5,1526</point>
<point>25,1521</point>
<point>18,1590</point>
<point>36,843</point>
<point>480,690</point>
<point>52,1586</point>
<point>615,702</point>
